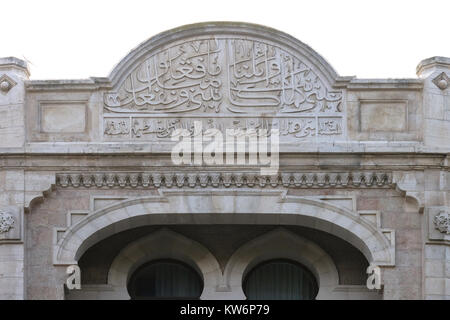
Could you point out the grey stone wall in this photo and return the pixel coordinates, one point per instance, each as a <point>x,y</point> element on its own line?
<point>365,160</point>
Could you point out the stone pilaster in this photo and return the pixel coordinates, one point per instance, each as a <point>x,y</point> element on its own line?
<point>13,73</point>
<point>12,254</point>
<point>435,73</point>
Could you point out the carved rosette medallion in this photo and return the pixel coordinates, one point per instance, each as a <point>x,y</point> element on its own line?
<point>442,81</point>
<point>6,84</point>
<point>442,222</point>
<point>6,221</point>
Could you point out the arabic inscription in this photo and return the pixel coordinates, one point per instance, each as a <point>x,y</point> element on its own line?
<point>222,78</point>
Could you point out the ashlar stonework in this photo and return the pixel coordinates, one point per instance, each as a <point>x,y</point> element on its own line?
<point>86,175</point>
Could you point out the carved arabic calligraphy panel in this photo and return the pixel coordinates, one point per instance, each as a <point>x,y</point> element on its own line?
<point>220,78</point>
<point>183,78</point>
<point>264,76</point>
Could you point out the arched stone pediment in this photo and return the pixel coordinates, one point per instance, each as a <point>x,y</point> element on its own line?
<point>227,75</point>
<point>223,30</point>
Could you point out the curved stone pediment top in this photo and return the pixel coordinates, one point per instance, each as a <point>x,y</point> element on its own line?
<point>224,67</point>
<point>221,30</point>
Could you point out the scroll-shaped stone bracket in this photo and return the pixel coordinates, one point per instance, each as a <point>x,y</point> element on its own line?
<point>37,186</point>
<point>438,219</point>
<point>10,224</point>
<point>411,186</point>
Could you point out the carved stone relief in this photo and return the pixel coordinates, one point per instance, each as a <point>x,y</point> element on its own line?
<point>6,221</point>
<point>6,84</point>
<point>10,223</point>
<point>439,223</point>
<point>441,81</point>
<point>442,222</point>
<point>225,179</point>
<point>226,82</point>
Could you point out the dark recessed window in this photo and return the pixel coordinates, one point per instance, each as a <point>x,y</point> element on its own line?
<point>280,280</point>
<point>165,279</point>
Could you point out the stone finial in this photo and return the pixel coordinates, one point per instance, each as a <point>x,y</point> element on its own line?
<point>6,221</point>
<point>442,222</point>
<point>431,65</point>
<point>14,63</point>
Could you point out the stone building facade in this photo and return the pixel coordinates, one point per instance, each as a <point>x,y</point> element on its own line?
<point>87,178</point>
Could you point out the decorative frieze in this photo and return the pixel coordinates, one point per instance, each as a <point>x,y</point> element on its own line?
<point>157,128</point>
<point>226,179</point>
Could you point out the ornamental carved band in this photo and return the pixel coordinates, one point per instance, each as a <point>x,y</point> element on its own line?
<point>6,221</point>
<point>227,179</point>
<point>227,81</point>
<point>442,222</point>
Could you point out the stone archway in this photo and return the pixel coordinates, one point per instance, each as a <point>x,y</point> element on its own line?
<point>163,244</point>
<point>214,207</point>
<point>222,282</point>
<point>218,284</point>
<point>277,244</point>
